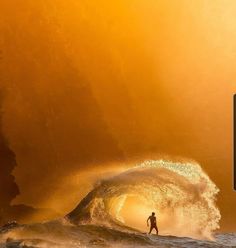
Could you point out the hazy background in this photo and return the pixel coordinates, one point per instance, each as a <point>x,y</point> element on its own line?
<point>89,85</point>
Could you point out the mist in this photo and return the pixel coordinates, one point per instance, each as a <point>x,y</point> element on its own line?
<point>94,85</point>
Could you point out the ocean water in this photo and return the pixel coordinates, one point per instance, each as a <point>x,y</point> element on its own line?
<point>62,234</point>
<point>181,193</point>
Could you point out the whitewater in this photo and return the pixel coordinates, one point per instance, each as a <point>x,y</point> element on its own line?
<point>181,193</point>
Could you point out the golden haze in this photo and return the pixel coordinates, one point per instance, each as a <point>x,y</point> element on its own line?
<point>93,83</point>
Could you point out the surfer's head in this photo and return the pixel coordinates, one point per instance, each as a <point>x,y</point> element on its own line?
<point>153,213</point>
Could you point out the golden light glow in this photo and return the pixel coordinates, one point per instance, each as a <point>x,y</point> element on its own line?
<point>92,83</point>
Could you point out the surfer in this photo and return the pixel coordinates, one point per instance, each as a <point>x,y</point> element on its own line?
<point>153,222</point>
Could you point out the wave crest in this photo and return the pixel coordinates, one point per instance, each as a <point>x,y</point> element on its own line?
<point>181,193</point>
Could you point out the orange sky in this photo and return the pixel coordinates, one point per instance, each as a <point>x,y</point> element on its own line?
<point>93,83</point>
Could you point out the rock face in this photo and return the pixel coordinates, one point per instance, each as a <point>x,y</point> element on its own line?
<point>8,187</point>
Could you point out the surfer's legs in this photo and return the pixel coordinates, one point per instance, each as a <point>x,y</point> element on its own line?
<point>155,227</point>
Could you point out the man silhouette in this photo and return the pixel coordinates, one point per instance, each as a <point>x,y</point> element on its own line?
<point>153,222</point>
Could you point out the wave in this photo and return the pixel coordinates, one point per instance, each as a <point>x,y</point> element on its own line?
<point>62,234</point>
<point>181,193</point>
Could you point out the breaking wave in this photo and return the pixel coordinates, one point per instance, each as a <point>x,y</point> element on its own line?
<point>181,193</point>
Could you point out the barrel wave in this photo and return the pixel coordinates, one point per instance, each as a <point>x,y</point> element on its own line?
<point>181,193</point>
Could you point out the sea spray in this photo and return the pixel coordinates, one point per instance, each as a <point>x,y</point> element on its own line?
<point>182,195</point>
<point>182,191</point>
